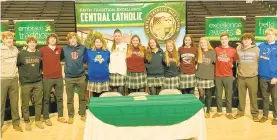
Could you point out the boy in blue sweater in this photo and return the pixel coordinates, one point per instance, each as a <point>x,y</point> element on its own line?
<point>268,74</point>
<point>73,54</point>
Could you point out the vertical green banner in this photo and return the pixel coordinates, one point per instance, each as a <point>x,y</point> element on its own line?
<point>37,28</point>
<point>263,23</point>
<point>234,26</point>
<point>4,27</point>
<point>159,20</point>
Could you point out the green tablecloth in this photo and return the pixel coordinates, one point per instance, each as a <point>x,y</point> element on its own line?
<point>157,110</point>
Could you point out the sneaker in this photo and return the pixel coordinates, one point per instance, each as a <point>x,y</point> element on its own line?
<point>229,116</point>
<point>62,120</point>
<point>39,125</point>
<point>256,119</point>
<point>263,119</point>
<point>207,115</point>
<point>238,116</point>
<point>70,121</point>
<point>28,126</point>
<point>18,128</point>
<point>274,121</point>
<point>48,122</point>
<point>217,115</point>
<point>83,118</point>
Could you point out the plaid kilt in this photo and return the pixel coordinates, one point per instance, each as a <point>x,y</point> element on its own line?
<point>171,82</point>
<point>98,86</point>
<point>136,80</point>
<point>117,79</point>
<point>204,83</point>
<point>154,81</point>
<point>187,81</point>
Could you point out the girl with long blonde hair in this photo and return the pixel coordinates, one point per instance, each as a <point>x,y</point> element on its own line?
<point>205,72</point>
<point>154,66</point>
<point>136,73</point>
<point>171,69</point>
<point>98,59</point>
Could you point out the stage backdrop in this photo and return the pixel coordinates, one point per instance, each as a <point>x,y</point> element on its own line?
<point>37,28</point>
<point>234,25</point>
<point>160,20</point>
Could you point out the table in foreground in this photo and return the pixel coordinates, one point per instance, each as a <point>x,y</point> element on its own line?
<point>157,117</point>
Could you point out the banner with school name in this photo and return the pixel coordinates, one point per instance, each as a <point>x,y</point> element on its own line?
<point>37,28</point>
<point>233,25</point>
<point>263,23</point>
<point>159,20</point>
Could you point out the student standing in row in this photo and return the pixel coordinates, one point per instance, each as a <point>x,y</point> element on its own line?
<point>171,68</point>
<point>98,58</point>
<point>73,54</point>
<point>205,73</point>
<point>248,56</point>
<point>154,66</point>
<point>136,74</point>
<point>52,77</point>
<point>117,66</point>
<point>268,74</point>
<point>225,57</point>
<point>9,79</point>
<point>188,54</point>
<point>30,77</point>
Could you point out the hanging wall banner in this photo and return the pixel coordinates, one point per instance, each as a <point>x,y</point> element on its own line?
<point>263,23</point>
<point>233,25</point>
<point>37,28</point>
<point>160,20</point>
<point>4,27</point>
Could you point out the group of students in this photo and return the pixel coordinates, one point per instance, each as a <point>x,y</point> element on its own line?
<point>133,66</point>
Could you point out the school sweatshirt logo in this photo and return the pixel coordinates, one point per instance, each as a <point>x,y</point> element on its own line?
<point>99,59</point>
<point>187,58</point>
<point>162,23</point>
<point>74,55</point>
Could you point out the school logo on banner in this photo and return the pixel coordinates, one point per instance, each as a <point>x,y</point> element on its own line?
<point>162,23</point>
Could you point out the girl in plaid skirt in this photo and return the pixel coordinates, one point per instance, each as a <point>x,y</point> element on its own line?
<point>171,69</point>
<point>117,65</point>
<point>136,76</point>
<point>154,66</point>
<point>98,58</point>
<point>205,72</point>
<point>188,54</point>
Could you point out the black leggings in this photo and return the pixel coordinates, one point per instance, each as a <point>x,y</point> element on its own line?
<point>205,96</point>
<point>155,90</point>
<point>188,91</point>
<point>119,89</point>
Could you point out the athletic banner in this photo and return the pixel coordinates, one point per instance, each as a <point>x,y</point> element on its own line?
<point>263,23</point>
<point>159,20</point>
<point>233,25</point>
<point>37,28</point>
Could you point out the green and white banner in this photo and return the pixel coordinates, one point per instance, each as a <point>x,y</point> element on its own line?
<point>233,25</point>
<point>37,28</point>
<point>159,20</point>
<point>263,23</point>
